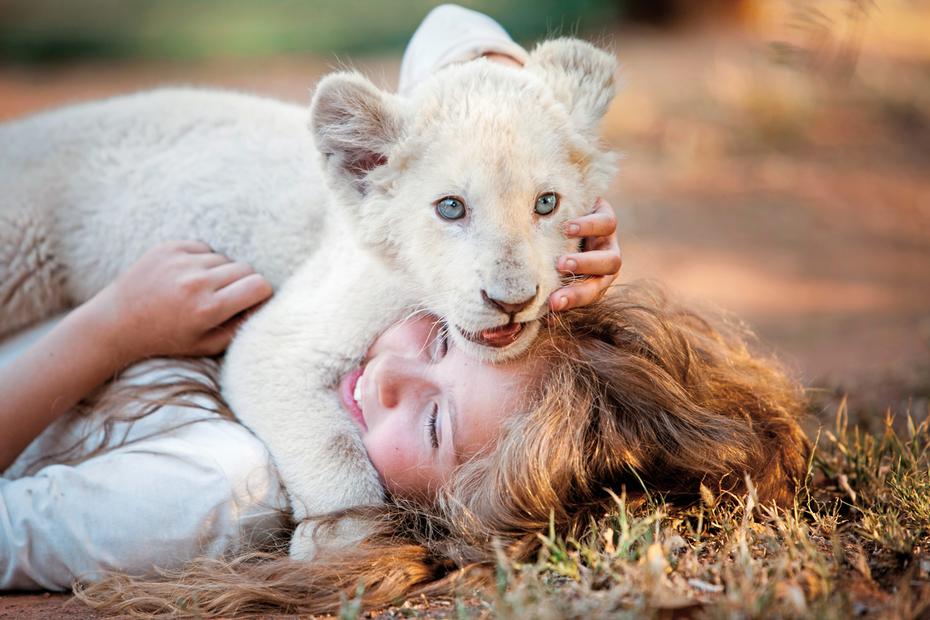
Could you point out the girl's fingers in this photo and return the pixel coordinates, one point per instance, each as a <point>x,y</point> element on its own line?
<point>601,243</point>
<point>217,339</point>
<point>227,273</point>
<point>206,260</point>
<point>594,263</point>
<point>190,246</point>
<point>599,258</point>
<point>579,293</point>
<point>240,295</point>
<point>602,222</point>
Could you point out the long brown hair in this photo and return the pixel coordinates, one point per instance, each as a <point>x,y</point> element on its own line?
<point>109,412</point>
<point>637,393</point>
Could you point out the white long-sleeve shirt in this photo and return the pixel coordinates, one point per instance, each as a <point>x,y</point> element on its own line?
<point>185,483</point>
<point>179,483</point>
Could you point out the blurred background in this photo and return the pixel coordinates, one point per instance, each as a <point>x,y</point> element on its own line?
<point>777,152</point>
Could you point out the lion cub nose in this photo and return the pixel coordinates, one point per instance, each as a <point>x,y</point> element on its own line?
<point>510,308</point>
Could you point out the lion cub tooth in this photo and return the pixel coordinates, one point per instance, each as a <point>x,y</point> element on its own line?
<point>357,392</point>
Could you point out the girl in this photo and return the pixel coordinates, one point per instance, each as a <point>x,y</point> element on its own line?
<point>632,392</point>
<point>631,387</point>
<point>74,505</point>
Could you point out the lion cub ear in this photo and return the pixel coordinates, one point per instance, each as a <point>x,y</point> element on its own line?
<point>354,126</point>
<point>580,75</point>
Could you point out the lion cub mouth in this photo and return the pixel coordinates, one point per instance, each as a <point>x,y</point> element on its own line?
<point>496,337</point>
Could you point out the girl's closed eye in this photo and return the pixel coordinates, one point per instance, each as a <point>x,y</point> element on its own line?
<point>431,426</point>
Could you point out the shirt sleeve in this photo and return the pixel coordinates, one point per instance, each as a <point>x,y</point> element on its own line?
<point>207,488</point>
<point>450,34</point>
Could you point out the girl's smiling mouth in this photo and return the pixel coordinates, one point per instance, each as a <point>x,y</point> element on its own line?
<point>349,389</point>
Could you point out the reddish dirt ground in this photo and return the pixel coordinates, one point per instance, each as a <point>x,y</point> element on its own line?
<point>42,606</point>
<point>799,203</point>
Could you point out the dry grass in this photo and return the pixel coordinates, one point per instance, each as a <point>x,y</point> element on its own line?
<point>855,543</point>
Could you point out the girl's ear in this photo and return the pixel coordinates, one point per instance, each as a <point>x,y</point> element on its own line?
<point>355,125</point>
<point>580,75</point>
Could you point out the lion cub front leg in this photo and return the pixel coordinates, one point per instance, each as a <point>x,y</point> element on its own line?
<point>280,378</point>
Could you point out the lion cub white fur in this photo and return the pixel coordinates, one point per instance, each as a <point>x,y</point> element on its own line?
<point>87,189</point>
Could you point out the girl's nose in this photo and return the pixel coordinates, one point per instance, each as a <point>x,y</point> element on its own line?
<point>399,378</point>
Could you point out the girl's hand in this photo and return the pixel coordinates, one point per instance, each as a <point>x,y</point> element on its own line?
<point>599,259</point>
<point>180,298</point>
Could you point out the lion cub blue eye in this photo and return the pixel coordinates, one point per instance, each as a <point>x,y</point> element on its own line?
<point>546,203</point>
<point>450,208</point>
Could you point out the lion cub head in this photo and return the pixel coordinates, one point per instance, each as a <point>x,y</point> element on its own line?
<point>465,185</point>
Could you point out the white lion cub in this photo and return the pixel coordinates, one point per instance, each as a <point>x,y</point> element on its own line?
<point>451,201</point>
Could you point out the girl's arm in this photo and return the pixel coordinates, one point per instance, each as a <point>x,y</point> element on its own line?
<point>179,299</point>
<point>197,486</point>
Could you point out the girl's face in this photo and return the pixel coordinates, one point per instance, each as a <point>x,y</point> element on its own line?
<point>423,406</point>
